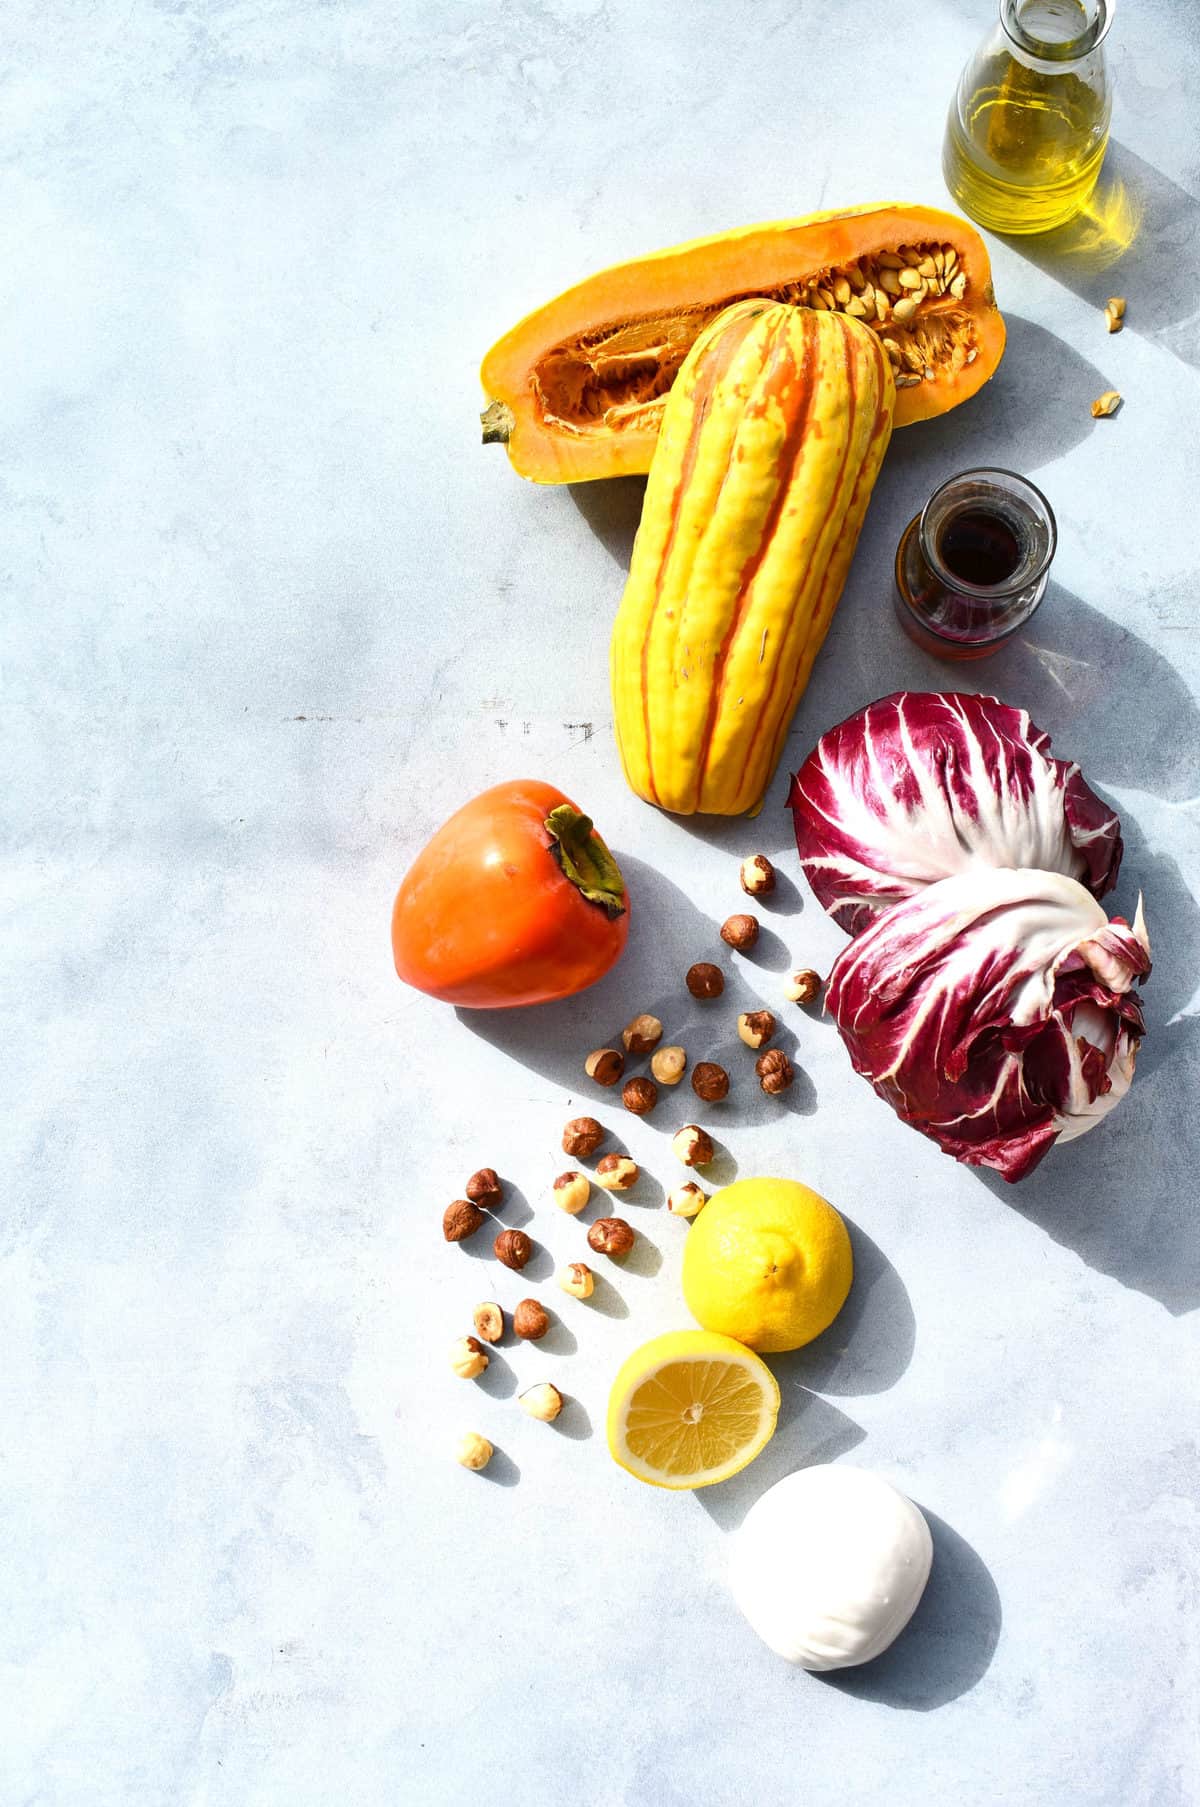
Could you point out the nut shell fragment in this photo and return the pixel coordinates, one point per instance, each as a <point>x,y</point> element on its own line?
<point>544,1402</point>
<point>1106,404</point>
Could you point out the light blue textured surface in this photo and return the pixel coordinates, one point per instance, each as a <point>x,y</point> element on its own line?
<point>271,613</point>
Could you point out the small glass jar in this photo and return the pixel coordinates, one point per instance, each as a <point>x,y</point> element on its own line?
<point>1028,124</point>
<point>972,567</point>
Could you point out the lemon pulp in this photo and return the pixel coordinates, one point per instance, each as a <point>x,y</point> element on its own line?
<point>690,1408</point>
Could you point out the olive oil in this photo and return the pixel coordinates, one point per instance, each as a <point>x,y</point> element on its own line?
<point>1028,127</point>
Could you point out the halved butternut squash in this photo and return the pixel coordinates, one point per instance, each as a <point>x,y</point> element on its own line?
<point>577,389</point>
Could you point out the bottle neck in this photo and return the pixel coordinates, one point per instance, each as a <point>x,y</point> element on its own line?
<point>1055,35</point>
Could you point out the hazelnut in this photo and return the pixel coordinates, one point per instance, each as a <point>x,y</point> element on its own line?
<point>642,1034</point>
<point>709,1081</point>
<point>802,986</point>
<point>514,1248</point>
<point>687,1199</point>
<point>531,1320</point>
<point>474,1451</point>
<point>571,1191</point>
<point>577,1279</point>
<point>740,932</point>
<point>544,1402</point>
<point>639,1096</point>
<point>692,1145</point>
<point>582,1136</point>
<point>704,980</point>
<point>668,1065</point>
<point>756,1027</point>
<point>467,1357</point>
<point>489,1321</point>
<point>604,1065</point>
<point>616,1173</point>
<point>611,1236</point>
<point>757,876</point>
<point>775,1071</point>
<point>483,1188</point>
<point>461,1219</point>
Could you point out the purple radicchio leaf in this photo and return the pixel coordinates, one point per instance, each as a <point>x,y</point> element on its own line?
<point>924,784</point>
<point>995,1012</point>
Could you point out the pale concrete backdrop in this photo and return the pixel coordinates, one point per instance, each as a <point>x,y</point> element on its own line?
<point>271,612</point>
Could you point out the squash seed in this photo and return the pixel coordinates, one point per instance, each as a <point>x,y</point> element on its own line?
<point>958,287</point>
<point>907,382</point>
<point>972,355</point>
<point>904,310</point>
<point>927,267</point>
<point>909,279</point>
<point>856,308</point>
<point>887,260</point>
<point>889,280</point>
<point>1106,404</point>
<point>855,278</point>
<point>841,290</point>
<point>892,349</point>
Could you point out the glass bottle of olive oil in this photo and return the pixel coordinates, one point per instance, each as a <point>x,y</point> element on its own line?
<point>1028,125</point>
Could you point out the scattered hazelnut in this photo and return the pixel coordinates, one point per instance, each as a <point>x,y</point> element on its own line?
<point>704,980</point>
<point>775,1071</point>
<point>756,1027</point>
<point>616,1173</point>
<point>571,1191</point>
<point>740,932</point>
<point>467,1357</point>
<point>577,1279</point>
<point>668,1065</point>
<point>514,1248</point>
<point>687,1199</point>
<point>757,876</point>
<point>483,1188</point>
<point>802,986</point>
<point>709,1081</point>
<point>642,1034</point>
<point>531,1320</point>
<point>692,1145</point>
<point>611,1236</point>
<point>460,1220</point>
<point>489,1322</point>
<point>604,1065</point>
<point>639,1096</point>
<point>582,1136</point>
<point>474,1451</point>
<point>544,1402</point>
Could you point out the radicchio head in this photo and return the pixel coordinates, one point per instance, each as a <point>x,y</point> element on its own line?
<point>995,1012</point>
<point>925,784</point>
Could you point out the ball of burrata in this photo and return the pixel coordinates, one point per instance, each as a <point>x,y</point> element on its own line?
<point>828,1566</point>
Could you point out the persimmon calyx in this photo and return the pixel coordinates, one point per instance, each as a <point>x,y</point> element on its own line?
<point>585,860</point>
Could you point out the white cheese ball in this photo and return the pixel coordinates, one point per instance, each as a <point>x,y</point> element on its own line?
<point>828,1566</point>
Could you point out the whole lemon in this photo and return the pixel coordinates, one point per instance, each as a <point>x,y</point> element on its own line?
<point>767,1262</point>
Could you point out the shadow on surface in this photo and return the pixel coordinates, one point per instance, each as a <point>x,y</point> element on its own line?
<point>1135,238</point>
<point>501,1471</point>
<point>810,1430</point>
<point>870,1343</point>
<point>573,1421</point>
<point>948,1643</point>
<point>612,509</point>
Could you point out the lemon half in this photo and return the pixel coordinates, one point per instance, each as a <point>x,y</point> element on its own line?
<point>690,1408</point>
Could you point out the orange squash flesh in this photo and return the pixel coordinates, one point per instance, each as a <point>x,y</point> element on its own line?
<point>576,390</point>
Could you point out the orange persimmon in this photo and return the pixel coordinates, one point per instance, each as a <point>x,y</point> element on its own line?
<point>515,900</point>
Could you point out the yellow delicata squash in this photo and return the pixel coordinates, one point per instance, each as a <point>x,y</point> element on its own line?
<point>771,441</point>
